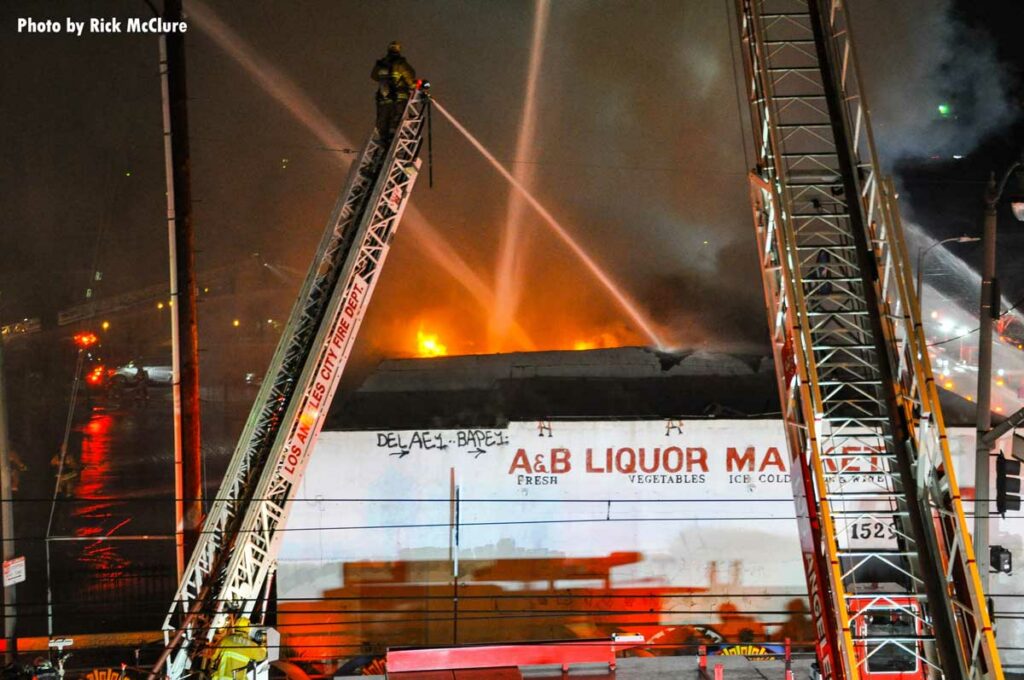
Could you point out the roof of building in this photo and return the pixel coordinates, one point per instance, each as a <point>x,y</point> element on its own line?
<point>628,383</point>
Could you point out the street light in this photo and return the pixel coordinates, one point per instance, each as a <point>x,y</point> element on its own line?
<point>922,253</point>
<point>1016,196</point>
<point>989,311</point>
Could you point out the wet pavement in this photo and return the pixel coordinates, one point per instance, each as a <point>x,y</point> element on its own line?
<point>111,550</point>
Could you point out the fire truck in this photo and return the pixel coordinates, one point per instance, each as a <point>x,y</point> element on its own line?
<point>852,367</point>
<point>897,625</point>
<point>226,578</point>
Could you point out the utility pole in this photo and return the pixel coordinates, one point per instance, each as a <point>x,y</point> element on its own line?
<point>988,314</point>
<point>7,520</point>
<point>184,326</point>
<point>982,454</point>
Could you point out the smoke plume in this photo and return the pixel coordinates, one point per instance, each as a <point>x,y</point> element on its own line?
<point>917,55</point>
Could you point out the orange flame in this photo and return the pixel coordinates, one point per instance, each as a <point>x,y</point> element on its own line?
<point>427,345</point>
<point>603,340</point>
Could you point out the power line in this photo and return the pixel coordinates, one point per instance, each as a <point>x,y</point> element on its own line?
<point>445,500</point>
<point>1015,305</point>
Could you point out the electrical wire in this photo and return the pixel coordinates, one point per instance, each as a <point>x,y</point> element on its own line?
<point>1015,305</point>
<point>444,500</point>
<point>448,525</point>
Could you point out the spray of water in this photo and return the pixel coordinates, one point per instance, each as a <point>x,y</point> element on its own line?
<point>965,281</point>
<point>283,90</point>
<point>512,247</point>
<point>953,328</point>
<point>630,307</point>
<point>268,76</point>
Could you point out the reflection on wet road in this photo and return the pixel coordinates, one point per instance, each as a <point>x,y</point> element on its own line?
<point>111,548</point>
<point>98,515</point>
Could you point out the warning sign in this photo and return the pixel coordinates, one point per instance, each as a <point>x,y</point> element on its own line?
<point>14,571</point>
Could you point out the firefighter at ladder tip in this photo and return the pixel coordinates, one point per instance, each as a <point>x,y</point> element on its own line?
<point>395,79</point>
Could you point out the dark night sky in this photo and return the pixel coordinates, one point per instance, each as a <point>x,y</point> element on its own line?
<point>639,149</point>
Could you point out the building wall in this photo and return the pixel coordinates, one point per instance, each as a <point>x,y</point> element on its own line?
<point>681,530</point>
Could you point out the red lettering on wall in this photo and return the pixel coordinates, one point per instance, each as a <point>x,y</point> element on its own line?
<point>521,462</point>
<point>592,466</point>
<point>774,458</point>
<point>698,456</point>
<point>673,459</point>
<point>560,461</point>
<point>625,460</point>
<point>649,462</point>
<point>734,462</point>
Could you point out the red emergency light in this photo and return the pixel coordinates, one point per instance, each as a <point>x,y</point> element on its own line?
<point>84,340</point>
<point>95,376</point>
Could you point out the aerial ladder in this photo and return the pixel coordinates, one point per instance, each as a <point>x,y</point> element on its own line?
<point>230,568</point>
<point>890,567</point>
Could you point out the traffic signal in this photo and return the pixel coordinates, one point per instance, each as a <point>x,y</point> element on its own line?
<point>1007,484</point>
<point>1000,560</point>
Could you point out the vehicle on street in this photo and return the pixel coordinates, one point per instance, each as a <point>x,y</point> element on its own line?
<point>158,373</point>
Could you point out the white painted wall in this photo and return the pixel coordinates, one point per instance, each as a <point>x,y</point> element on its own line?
<point>698,516</point>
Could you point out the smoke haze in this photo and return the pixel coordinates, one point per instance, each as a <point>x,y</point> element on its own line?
<point>639,149</point>
<point>916,55</point>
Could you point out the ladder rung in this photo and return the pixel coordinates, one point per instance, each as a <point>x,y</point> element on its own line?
<point>846,366</point>
<point>861,398</point>
<point>827,418</point>
<point>887,513</point>
<point>858,383</point>
<point>854,305</point>
<point>831,171</point>
<point>868,553</point>
<point>837,404</point>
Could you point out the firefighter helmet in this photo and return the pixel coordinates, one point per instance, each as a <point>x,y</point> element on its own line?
<point>394,47</point>
<point>242,625</point>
